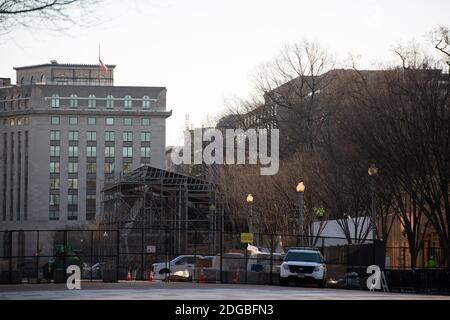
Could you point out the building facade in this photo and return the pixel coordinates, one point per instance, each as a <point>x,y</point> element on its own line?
<point>66,129</point>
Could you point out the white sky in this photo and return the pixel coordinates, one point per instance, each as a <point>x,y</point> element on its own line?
<point>205,51</point>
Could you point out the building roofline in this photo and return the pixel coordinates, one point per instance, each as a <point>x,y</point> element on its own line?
<point>64,65</point>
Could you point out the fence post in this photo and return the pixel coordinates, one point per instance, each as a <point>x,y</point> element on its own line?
<point>221,253</point>
<point>142,253</point>
<point>65,255</point>
<point>271,258</point>
<point>10,255</point>
<point>195,255</point>
<point>117,254</point>
<point>37,256</point>
<point>92,253</point>
<point>246,263</point>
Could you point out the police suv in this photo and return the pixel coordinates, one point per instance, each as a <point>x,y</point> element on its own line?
<point>303,265</point>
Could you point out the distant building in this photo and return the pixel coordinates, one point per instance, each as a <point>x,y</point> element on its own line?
<point>65,129</point>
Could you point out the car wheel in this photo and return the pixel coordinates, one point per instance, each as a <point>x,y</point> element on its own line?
<point>283,282</point>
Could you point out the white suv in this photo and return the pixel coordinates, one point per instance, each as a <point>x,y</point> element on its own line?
<point>181,263</point>
<point>303,265</point>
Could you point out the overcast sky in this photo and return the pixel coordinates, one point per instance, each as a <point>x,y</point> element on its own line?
<point>204,51</point>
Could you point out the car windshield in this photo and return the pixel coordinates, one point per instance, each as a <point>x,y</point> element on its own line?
<point>303,256</point>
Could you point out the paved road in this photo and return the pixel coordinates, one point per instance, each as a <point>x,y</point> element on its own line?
<point>177,291</point>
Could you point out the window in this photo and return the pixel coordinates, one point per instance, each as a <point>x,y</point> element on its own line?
<point>53,200</point>
<point>73,120</point>
<point>128,136</point>
<point>127,122</point>
<point>54,167</point>
<point>127,151</point>
<point>54,151</point>
<point>55,120</point>
<point>91,168</point>
<point>73,135</point>
<point>146,102</point>
<point>54,183</point>
<point>126,167</point>
<point>109,151</point>
<point>54,135</point>
<point>109,102</point>
<point>109,168</point>
<point>55,101</point>
<point>73,101</point>
<point>145,121</point>
<point>73,183</point>
<point>109,135</point>
<point>91,136</point>
<point>91,151</point>
<point>109,121</point>
<point>145,136</point>
<point>53,214</point>
<point>91,121</point>
<point>72,199</point>
<point>72,215</point>
<point>91,101</point>
<point>145,152</point>
<point>127,103</point>
<point>73,167</point>
<point>73,151</point>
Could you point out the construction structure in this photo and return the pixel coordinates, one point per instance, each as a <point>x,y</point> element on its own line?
<point>148,202</point>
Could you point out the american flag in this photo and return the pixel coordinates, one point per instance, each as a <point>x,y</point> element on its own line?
<point>102,65</point>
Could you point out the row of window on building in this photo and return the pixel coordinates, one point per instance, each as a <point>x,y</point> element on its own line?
<point>91,151</point>
<point>109,136</point>
<point>109,121</point>
<point>18,101</point>
<point>126,102</point>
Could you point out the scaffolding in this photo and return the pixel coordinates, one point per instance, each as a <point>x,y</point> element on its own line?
<point>155,200</point>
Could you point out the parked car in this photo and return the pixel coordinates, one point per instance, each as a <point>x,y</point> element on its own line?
<point>96,270</point>
<point>303,265</point>
<point>350,280</point>
<point>181,263</point>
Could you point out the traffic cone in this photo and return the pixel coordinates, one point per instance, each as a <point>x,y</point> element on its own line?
<point>201,277</point>
<point>151,276</point>
<point>129,275</point>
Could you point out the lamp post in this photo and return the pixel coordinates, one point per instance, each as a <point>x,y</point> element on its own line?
<point>373,171</point>
<point>300,190</point>
<point>249,200</point>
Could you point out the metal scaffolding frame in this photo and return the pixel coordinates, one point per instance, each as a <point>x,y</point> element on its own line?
<point>154,199</point>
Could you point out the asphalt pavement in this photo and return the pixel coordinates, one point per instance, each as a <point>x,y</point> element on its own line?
<point>157,290</point>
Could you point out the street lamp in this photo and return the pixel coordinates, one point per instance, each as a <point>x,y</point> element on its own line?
<point>373,171</point>
<point>300,190</point>
<point>249,200</point>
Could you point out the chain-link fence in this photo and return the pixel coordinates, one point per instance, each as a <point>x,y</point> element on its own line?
<point>187,255</point>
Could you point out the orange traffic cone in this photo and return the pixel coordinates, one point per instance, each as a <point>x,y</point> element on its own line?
<point>151,276</point>
<point>201,277</point>
<point>129,276</point>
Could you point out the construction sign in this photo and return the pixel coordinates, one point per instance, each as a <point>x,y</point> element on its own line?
<point>247,237</point>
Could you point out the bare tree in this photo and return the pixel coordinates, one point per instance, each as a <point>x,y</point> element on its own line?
<point>404,126</point>
<point>48,14</point>
<point>440,38</point>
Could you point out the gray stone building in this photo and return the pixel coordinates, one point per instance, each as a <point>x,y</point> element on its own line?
<point>65,129</point>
